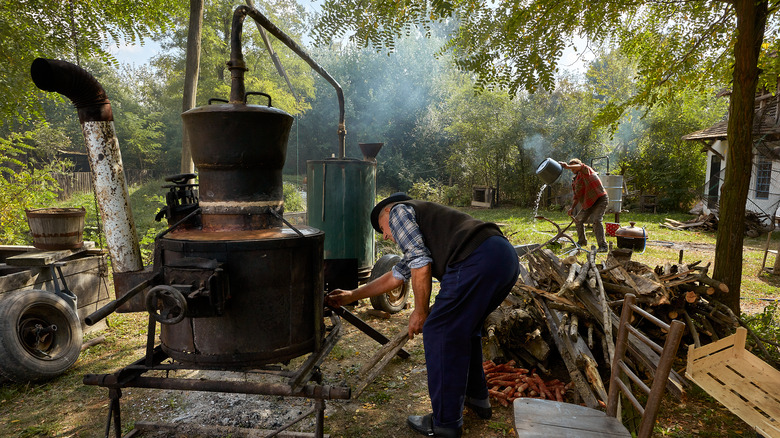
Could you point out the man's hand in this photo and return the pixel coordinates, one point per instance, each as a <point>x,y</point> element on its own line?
<point>337,298</point>
<point>416,321</point>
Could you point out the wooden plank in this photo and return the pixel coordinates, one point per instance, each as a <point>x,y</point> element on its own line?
<point>45,258</point>
<point>563,344</point>
<point>17,248</point>
<point>379,361</point>
<point>739,378</point>
<point>711,348</point>
<point>553,408</point>
<point>545,418</point>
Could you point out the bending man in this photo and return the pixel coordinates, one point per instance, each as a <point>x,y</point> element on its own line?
<point>476,267</point>
<point>589,203</point>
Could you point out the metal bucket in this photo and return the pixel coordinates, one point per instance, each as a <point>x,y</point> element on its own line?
<point>56,228</point>
<point>549,171</point>
<point>613,184</point>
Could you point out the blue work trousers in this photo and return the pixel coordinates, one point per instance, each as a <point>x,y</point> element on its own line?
<point>452,333</point>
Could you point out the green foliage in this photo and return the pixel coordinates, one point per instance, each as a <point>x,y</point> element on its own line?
<point>22,187</point>
<point>766,325</point>
<point>434,191</point>
<point>214,78</point>
<point>516,45</point>
<point>293,200</point>
<point>71,30</point>
<point>655,157</point>
<point>92,228</point>
<point>426,191</point>
<point>146,201</point>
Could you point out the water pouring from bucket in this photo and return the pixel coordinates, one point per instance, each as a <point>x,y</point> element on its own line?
<point>548,171</point>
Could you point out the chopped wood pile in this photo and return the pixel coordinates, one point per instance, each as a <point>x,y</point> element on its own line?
<point>755,223</point>
<point>704,222</point>
<point>553,321</point>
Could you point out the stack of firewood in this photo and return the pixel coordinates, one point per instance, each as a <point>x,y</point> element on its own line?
<point>755,223</point>
<point>704,222</point>
<point>562,305</point>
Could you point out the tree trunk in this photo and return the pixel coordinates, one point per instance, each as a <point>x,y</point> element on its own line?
<point>751,22</point>
<point>191,72</point>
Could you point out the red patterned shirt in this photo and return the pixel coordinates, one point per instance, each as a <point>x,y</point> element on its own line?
<point>587,187</point>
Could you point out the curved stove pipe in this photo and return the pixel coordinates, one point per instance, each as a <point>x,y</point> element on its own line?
<point>237,66</point>
<point>105,160</point>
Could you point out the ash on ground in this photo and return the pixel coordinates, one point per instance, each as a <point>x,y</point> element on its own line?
<point>250,411</point>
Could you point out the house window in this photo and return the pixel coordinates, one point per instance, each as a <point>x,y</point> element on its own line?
<point>763,177</point>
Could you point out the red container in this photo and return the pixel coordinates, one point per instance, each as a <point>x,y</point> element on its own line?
<point>610,228</point>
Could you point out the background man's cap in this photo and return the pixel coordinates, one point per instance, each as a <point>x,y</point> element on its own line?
<point>395,197</point>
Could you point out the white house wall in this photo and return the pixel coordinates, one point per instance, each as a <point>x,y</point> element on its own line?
<point>769,205</point>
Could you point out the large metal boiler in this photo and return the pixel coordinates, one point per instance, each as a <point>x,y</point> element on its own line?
<point>233,285</point>
<point>254,285</point>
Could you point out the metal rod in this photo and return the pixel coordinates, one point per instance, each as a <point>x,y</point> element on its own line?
<point>237,66</point>
<point>308,391</point>
<point>365,328</point>
<point>109,308</point>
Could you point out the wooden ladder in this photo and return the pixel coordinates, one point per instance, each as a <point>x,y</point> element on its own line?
<point>775,270</point>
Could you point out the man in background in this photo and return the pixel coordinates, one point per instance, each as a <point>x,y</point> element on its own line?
<point>589,203</point>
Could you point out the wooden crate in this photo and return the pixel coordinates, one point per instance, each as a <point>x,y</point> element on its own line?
<point>745,384</point>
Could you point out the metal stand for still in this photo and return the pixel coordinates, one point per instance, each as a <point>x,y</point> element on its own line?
<point>132,376</point>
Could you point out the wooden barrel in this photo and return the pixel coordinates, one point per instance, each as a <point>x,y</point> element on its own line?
<point>56,228</point>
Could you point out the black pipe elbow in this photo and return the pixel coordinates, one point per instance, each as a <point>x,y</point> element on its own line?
<point>75,83</point>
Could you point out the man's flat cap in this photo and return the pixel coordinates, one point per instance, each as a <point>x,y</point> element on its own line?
<point>395,197</point>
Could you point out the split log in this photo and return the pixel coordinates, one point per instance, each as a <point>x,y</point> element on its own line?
<point>602,296</point>
<point>723,287</point>
<point>692,329</point>
<point>565,349</point>
<point>592,373</point>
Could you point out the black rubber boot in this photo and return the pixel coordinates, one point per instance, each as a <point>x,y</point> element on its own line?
<point>477,406</point>
<point>424,426</point>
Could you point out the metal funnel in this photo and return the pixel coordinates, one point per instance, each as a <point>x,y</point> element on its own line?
<point>370,150</point>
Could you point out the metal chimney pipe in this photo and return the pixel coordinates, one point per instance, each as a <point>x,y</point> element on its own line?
<point>105,160</point>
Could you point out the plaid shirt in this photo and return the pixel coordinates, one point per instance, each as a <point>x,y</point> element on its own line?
<point>406,232</point>
<point>587,188</point>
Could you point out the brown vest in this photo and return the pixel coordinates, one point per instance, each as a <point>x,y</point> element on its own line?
<point>449,234</point>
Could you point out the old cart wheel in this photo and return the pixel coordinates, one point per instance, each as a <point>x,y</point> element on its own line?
<point>40,335</point>
<point>395,300</point>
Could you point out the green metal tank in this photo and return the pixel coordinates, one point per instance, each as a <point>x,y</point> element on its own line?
<point>340,195</point>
